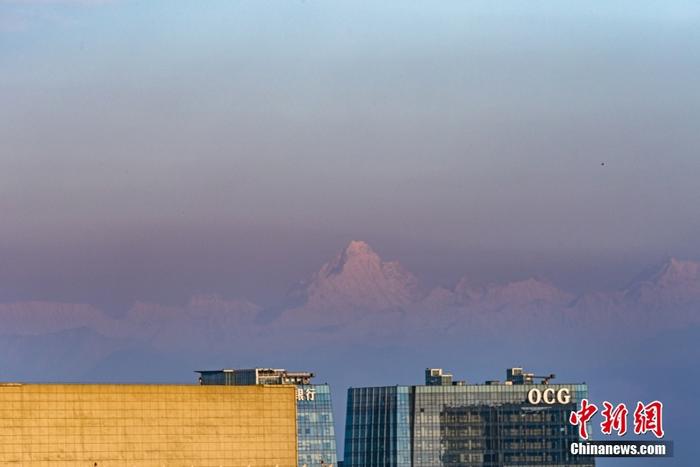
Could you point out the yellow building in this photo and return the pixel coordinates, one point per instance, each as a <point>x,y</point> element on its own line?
<point>122,425</point>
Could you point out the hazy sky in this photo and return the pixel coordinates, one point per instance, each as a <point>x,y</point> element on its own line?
<point>154,149</point>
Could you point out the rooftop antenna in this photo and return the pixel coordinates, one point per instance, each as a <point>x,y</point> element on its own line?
<point>546,379</point>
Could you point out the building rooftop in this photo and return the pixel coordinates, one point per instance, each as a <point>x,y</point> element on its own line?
<point>244,376</point>
<point>514,376</point>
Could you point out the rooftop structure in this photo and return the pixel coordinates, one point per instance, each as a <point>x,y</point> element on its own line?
<point>250,376</point>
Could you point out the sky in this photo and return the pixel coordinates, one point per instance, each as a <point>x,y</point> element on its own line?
<point>154,150</point>
<point>157,149</point>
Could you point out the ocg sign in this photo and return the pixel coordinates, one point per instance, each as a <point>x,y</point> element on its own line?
<point>549,396</point>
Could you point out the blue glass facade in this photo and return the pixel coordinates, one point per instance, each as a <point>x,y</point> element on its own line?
<point>378,430</point>
<point>486,425</point>
<point>315,431</point>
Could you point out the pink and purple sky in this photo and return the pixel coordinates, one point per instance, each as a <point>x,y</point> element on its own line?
<point>169,170</point>
<point>161,149</point>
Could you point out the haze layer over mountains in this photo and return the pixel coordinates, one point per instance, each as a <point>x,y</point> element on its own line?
<point>356,298</point>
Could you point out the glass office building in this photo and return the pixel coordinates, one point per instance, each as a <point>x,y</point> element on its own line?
<point>378,427</point>
<point>451,423</point>
<point>315,432</point>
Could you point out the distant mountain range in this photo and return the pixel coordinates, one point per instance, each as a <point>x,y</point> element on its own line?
<point>355,297</point>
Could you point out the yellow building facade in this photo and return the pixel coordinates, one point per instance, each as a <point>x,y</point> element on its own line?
<point>123,425</point>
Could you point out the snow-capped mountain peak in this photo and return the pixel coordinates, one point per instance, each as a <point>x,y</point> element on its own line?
<point>358,278</point>
<point>675,272</point>
<point>675,281</point>
<point>356,255</point>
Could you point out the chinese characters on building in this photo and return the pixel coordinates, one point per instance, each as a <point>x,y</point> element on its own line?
<point>308,394</point>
